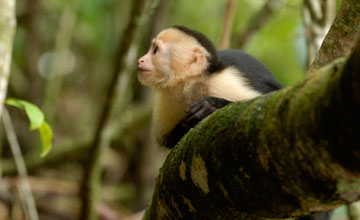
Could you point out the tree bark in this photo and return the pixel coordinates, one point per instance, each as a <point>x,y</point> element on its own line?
<point>342,35</point>
<point>287,153</point>
<point>7,31</point>
<point>317,18</point>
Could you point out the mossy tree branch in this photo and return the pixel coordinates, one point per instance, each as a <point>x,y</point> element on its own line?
<point>287,153</point>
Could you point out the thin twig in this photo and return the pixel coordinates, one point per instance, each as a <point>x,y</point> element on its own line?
<point>22,199</point>
<point>228,23</point>
<point>92,168</point>
<point>128,122</point>
<point>24,186</point>
<point>159,20</point>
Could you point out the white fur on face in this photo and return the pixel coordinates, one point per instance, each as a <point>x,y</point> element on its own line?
<point>175,61</point>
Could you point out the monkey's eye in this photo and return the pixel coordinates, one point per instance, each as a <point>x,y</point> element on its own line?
<point>155,49</point>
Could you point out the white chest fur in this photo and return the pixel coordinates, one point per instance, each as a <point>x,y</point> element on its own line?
<point>169,109</point>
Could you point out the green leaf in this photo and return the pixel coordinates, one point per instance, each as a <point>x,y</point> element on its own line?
<point>35,115</point>
<point>14,102</point>
<point>46,138</point>
<point>37,121</point>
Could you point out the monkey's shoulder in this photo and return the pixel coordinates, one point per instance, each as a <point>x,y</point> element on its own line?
<point>258,75</point>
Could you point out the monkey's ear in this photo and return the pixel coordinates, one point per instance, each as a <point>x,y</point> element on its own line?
<point>197,62</point>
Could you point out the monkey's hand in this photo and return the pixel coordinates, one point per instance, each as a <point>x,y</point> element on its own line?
<point>201,108</point>
<point>197,111</point>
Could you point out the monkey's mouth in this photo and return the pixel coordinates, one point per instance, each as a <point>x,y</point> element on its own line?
<point>143,75</point>
<point>140,69</point>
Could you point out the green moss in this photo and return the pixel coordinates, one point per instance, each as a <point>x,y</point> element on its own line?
<point>346,186</point>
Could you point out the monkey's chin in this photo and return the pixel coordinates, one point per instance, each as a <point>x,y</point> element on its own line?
<point>144,78</point>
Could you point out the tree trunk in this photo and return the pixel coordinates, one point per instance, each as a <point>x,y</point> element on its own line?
<point>7,31</point>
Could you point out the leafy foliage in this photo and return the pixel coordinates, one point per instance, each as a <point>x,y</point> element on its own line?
<point>37,122</point>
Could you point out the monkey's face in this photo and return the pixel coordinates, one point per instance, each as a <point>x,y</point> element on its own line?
<point>154,66</point>
<point>172,58</point>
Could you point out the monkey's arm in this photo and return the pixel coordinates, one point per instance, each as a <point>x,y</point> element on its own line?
<point>201,108</point>
<point>197,111</point>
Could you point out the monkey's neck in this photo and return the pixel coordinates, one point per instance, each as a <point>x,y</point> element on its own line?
<point>171,104</point>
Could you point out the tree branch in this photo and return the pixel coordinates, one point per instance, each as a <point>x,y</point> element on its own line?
<point>258,21</point>
<point>140,9</point>
<point>24,186</point>
<point>317,17</point>
<point>342,36</point>
<point>287,153</point>
<point>228,22</point>
<point>7,30</point>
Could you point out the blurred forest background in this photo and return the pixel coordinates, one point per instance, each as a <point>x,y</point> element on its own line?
<point>64,56</point>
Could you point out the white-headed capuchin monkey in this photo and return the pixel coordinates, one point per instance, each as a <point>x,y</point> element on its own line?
<point>192,80</point>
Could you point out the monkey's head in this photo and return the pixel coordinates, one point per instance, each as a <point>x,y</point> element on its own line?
<point>176,55</point>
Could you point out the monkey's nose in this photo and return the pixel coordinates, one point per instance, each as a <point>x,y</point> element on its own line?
<point>140,61</point>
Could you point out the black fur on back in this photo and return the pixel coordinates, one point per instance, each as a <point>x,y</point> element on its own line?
<point>260,78</point>
<point>214,64</point>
